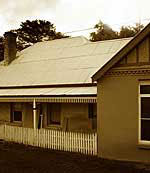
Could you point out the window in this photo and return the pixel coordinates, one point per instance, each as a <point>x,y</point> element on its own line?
<point>92,110</point>
<point>16,112</point>
<point>144,111</point>
<point>54,114</point>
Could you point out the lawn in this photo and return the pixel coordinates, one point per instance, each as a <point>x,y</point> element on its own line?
<point>22,159</point>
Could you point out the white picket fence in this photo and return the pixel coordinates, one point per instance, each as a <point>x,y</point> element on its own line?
<point>85,143</point>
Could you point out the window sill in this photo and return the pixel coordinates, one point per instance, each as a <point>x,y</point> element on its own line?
<point>54,126</point>
<point>16,123</point>
<point>144,145</point>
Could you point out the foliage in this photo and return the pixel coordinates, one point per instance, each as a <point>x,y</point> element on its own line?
<point>104,32</point>
<point>138,27</point>
<point>126,31</point>
<point>1,48</point>
<point>31,32</point>
<point>130,31</point>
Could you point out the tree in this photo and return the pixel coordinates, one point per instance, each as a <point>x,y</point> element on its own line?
<point>31,32</point>
<point>138,27</point>
<point>104,32</point>
<point>126,31</point>
<point>130,31</point>
<point>1,48</point>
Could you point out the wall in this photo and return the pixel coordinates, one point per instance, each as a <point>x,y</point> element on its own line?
<point>118,118</point>
<point>28,115</point>
<point>5,112</point>
<point>74,116</point>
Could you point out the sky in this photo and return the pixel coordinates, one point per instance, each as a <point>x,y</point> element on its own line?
<point>72,15</point>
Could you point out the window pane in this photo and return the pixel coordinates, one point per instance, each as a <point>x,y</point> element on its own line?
<point>145,130</point>
<point>55,118</point>
<point>145,107</point>
<point>145,89</point>
<point>54,114</point>
<point>17,116</point>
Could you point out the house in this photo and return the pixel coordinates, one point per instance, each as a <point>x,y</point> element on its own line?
<point>123,102</point>
<point>49,85</point>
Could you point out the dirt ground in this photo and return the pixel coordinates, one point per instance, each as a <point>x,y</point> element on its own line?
<point>22,159</point>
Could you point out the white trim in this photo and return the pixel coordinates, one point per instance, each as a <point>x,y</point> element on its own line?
<point>139,117</point>
<point>145,82</point>
<point>142,142</point>
<point>144,95</point>
<point>145,119</point>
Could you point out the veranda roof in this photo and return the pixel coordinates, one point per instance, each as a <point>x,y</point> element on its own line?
<point>61,95</point>
<point>62,91</point>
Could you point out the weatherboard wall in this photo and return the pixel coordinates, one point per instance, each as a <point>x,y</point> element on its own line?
<point>140,55</point>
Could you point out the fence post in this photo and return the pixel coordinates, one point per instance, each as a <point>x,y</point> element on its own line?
<point>4,131</point>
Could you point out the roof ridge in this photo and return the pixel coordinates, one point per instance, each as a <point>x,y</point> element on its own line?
<point>66,38</point>
<point>84,39</point>
<point>112,40</point>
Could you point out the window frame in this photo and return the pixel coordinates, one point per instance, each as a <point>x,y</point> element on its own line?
<point>140,141</point>
<point>13,110</point>
<point>48,114</point>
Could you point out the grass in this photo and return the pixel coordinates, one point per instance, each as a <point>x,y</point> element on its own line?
<point>24,159</point>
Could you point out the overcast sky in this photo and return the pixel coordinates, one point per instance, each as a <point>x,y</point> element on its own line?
<point>70,15</point>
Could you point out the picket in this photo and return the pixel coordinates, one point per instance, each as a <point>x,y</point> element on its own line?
<point>2,131</point>
<point>82,142</point>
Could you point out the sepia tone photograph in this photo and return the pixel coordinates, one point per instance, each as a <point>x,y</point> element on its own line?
<point>75,86</point>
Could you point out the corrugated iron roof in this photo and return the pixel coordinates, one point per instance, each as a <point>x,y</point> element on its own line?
<point>63,91</point>
<point>62,61</point>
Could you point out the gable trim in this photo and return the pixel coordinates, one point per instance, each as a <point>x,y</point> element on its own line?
<point>122,53</point>
<point>128,72</point>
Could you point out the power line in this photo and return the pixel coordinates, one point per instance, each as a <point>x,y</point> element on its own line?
<point>91,28</point>
<point>86,29</point>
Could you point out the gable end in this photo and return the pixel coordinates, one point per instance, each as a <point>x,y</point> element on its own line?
<point>132,53</point>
